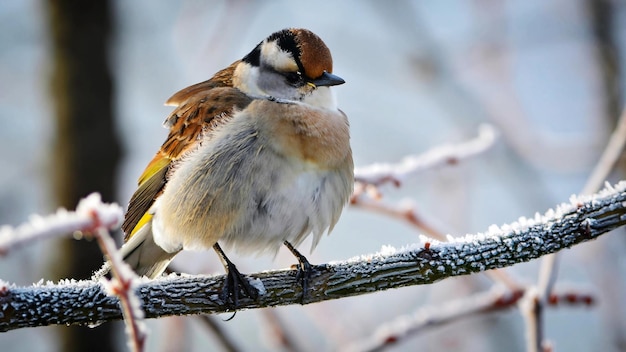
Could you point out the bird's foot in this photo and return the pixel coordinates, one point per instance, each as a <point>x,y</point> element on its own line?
<point>304,270</point>
<point>235,282</point>
<point>235,285</point>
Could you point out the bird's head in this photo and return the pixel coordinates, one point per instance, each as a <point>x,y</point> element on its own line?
<point>292,64</point>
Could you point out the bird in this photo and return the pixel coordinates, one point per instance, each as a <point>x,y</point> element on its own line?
<point>257,157</point>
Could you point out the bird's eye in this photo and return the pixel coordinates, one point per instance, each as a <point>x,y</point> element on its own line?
<point>294,78</point>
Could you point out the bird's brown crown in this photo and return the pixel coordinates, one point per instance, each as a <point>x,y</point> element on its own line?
<point>309,52</point>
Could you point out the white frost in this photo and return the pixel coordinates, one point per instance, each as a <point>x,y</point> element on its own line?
<point>441,155</point>
<point>258,284</point>
<point>387,250</point>
<point>90,213</point>
<point>523,224</point>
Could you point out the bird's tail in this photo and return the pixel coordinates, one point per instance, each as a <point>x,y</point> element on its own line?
<point>144,256</point>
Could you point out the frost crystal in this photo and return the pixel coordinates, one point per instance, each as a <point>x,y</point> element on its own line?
<point>441,155</point>
<point>387,250</point>
<point>258,284</point>
<point>90,213</point>
<point>546,220</point>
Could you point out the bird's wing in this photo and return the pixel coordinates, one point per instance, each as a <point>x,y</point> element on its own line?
<point>223,78</point>
<point>199,112</point>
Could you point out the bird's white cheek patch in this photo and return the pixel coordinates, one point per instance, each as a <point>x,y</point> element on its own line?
<point>274,57</point>
<point>245,78</point>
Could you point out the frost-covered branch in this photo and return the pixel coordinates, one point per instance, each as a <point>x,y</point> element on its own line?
<point>581,220</point>
<point>380,173</point>
<point>534,304</point>
<point>90,214</point>
<point>92,217</point>
<point>123,285</point>
<point>494,300</point>
<point>407,212</point>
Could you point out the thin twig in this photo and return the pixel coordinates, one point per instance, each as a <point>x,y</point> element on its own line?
<point>406,212</point>
<point>549,264</point>
<point>495,300</point>
<point>61,223</point>
<point>369,179</point>
<point>532,311</point>
<point>123,285</point>
<point>279,333</point>
<point>451,154</point>
<point>91,217</point>
<point>211,324</point>
<point>428,317</point>
<point>609,158</point>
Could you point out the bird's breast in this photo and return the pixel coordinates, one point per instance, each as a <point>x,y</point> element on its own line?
<point>271,174</point>
<point>317,136</point>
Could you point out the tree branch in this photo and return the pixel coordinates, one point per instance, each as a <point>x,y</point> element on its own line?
<point>495,300</point>
<point>378,174</point>
<point>537,299</point>
<point>86,302</point>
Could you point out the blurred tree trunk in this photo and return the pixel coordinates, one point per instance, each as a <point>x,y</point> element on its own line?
<point>602,21</point>
<point>602,18</point>
<point>86,151</point>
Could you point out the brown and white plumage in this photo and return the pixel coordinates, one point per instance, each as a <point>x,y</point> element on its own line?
<point>257,155</point>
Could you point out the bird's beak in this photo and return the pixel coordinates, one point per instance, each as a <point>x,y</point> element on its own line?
<point>327,79</point>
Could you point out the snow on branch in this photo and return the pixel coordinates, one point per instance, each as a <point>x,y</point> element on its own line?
<point>90,214</point>
<point>93,218</point>
<point>494,300</point>
<point>379,173</point>
<point>582,219</point>
<point>122,285</point>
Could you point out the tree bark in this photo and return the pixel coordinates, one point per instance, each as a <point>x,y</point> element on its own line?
<point>86,302</point>
<point>86,150</point>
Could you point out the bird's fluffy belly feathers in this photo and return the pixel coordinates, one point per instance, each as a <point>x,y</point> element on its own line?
<point>281,197</point>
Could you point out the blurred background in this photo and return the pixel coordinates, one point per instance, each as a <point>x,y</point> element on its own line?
<point>81,91</point>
